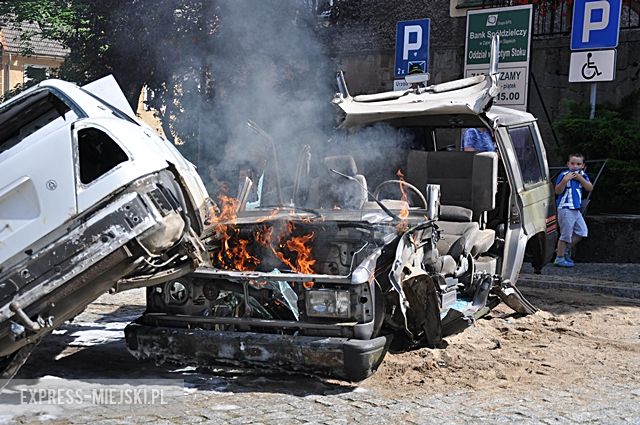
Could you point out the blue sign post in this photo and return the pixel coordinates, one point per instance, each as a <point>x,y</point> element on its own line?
<point>412,47</point>
<point>596,24</point>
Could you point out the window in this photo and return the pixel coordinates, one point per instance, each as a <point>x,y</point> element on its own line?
<point>39,114</point>
<point>523,139</point>
<point>98,154</point>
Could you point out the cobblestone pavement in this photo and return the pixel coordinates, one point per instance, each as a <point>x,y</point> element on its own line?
<point>92,347</point>
<point>621,280</point>
<point>598,403</point>
<point>620,273</point>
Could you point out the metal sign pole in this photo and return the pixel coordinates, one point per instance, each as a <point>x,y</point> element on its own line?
<point>594,88</point>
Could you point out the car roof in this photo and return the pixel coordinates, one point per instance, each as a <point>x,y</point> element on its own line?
<point>462,103</point>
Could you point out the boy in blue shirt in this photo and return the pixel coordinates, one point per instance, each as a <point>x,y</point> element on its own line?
<point>569,185</point>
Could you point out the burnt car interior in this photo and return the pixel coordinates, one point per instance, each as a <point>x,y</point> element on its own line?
<point>346,260</point>
<point>474,191</point>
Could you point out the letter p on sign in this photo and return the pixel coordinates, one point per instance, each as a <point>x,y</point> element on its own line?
<point>596,24</point>
<point>408,45</point>
<point>590,23</point>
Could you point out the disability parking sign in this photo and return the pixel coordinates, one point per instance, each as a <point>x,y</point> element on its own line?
<point>513,25</point>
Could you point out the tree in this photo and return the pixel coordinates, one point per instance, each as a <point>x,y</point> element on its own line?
<point>111,36</point>
<point>210,64</point>
<point>614,133</point>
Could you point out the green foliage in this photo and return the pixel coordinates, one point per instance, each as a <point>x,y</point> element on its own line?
<point>210,64</point>
<point>614,133</point>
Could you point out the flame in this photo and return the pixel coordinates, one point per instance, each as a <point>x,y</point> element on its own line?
<point>404,213</point>
<point>295,252</point>
<point>233,250</point>
<point>304,262</point>
<point>300,245</point>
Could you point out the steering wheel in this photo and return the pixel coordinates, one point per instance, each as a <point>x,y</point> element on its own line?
<point>407,185</point>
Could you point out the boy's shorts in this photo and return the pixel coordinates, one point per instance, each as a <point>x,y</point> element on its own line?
<point>570,222</point>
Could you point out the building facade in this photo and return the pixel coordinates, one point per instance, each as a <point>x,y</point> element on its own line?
<point>363,42</point>
<point>24,63</point>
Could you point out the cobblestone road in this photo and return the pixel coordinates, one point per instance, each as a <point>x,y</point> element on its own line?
<point>598,403</point>
<point>92,347</point>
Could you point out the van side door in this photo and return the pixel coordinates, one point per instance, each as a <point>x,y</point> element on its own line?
<point>534,189</point>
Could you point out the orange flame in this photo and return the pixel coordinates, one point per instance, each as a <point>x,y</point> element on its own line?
<point>304,262</point>
<point>295,252</point>
<point>403,225</point>
<point>298,247</point>
<point>233,250</point>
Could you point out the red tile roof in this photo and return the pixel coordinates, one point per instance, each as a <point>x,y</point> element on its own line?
<point>38,46</point>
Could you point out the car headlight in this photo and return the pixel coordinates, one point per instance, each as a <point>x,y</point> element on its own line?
<point>328,303</point>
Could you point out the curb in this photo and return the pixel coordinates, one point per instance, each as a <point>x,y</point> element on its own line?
<point>605,287</point>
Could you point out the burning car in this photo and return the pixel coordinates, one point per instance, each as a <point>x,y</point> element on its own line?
<point>327,274</point>
<point>89,196</point>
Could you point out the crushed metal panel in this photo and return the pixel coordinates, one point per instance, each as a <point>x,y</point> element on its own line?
<point>468,96</point>
<point>108,89</point>
<point>351,360</point>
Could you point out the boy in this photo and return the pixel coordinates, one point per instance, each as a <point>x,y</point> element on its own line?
<point>569,185</point>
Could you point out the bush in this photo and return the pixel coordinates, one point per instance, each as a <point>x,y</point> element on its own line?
<point>614,133</point>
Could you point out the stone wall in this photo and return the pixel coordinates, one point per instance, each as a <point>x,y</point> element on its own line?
<point>612,239</point>
<point>364,50</point>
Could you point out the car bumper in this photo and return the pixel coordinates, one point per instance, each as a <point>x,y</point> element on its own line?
<point>342,358</point>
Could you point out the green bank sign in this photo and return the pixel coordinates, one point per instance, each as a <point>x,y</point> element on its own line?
<point>513,25</point>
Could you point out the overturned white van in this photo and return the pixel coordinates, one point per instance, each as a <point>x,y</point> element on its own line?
<point>88,195</point>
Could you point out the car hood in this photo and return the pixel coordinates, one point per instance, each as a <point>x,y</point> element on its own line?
<point>471,96</point>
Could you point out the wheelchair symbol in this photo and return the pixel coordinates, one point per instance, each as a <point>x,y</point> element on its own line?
<point>589,69</point>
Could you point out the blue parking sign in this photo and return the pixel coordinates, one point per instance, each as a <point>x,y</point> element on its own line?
<point>596,24</point>
<point>412,47</point>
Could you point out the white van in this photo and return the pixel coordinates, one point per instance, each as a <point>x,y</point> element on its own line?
<point>88,195</point>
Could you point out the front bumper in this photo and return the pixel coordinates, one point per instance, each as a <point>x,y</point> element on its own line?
<point>342,358</point>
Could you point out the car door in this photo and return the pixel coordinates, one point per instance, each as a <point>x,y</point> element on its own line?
<point>532,206</point>
<point>534,186</point>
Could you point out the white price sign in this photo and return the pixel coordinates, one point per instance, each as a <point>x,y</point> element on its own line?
<point>512,83</point>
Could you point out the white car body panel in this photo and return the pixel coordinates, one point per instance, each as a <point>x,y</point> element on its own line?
<point>468,96</point>
<point>35,197</point>
<point>104,88</point>
<point>29,209</point>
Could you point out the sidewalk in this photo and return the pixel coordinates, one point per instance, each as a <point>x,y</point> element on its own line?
<point>620,280</point>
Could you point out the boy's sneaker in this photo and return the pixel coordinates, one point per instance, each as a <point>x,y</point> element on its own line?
<point>562,262</point>
<point>567,258</point>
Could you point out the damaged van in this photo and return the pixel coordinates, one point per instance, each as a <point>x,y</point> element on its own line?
<point>355,257</point>
<point>89,195</point>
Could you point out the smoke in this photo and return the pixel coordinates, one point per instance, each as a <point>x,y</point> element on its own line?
<point>267,64</point>
<point>266,61</point>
